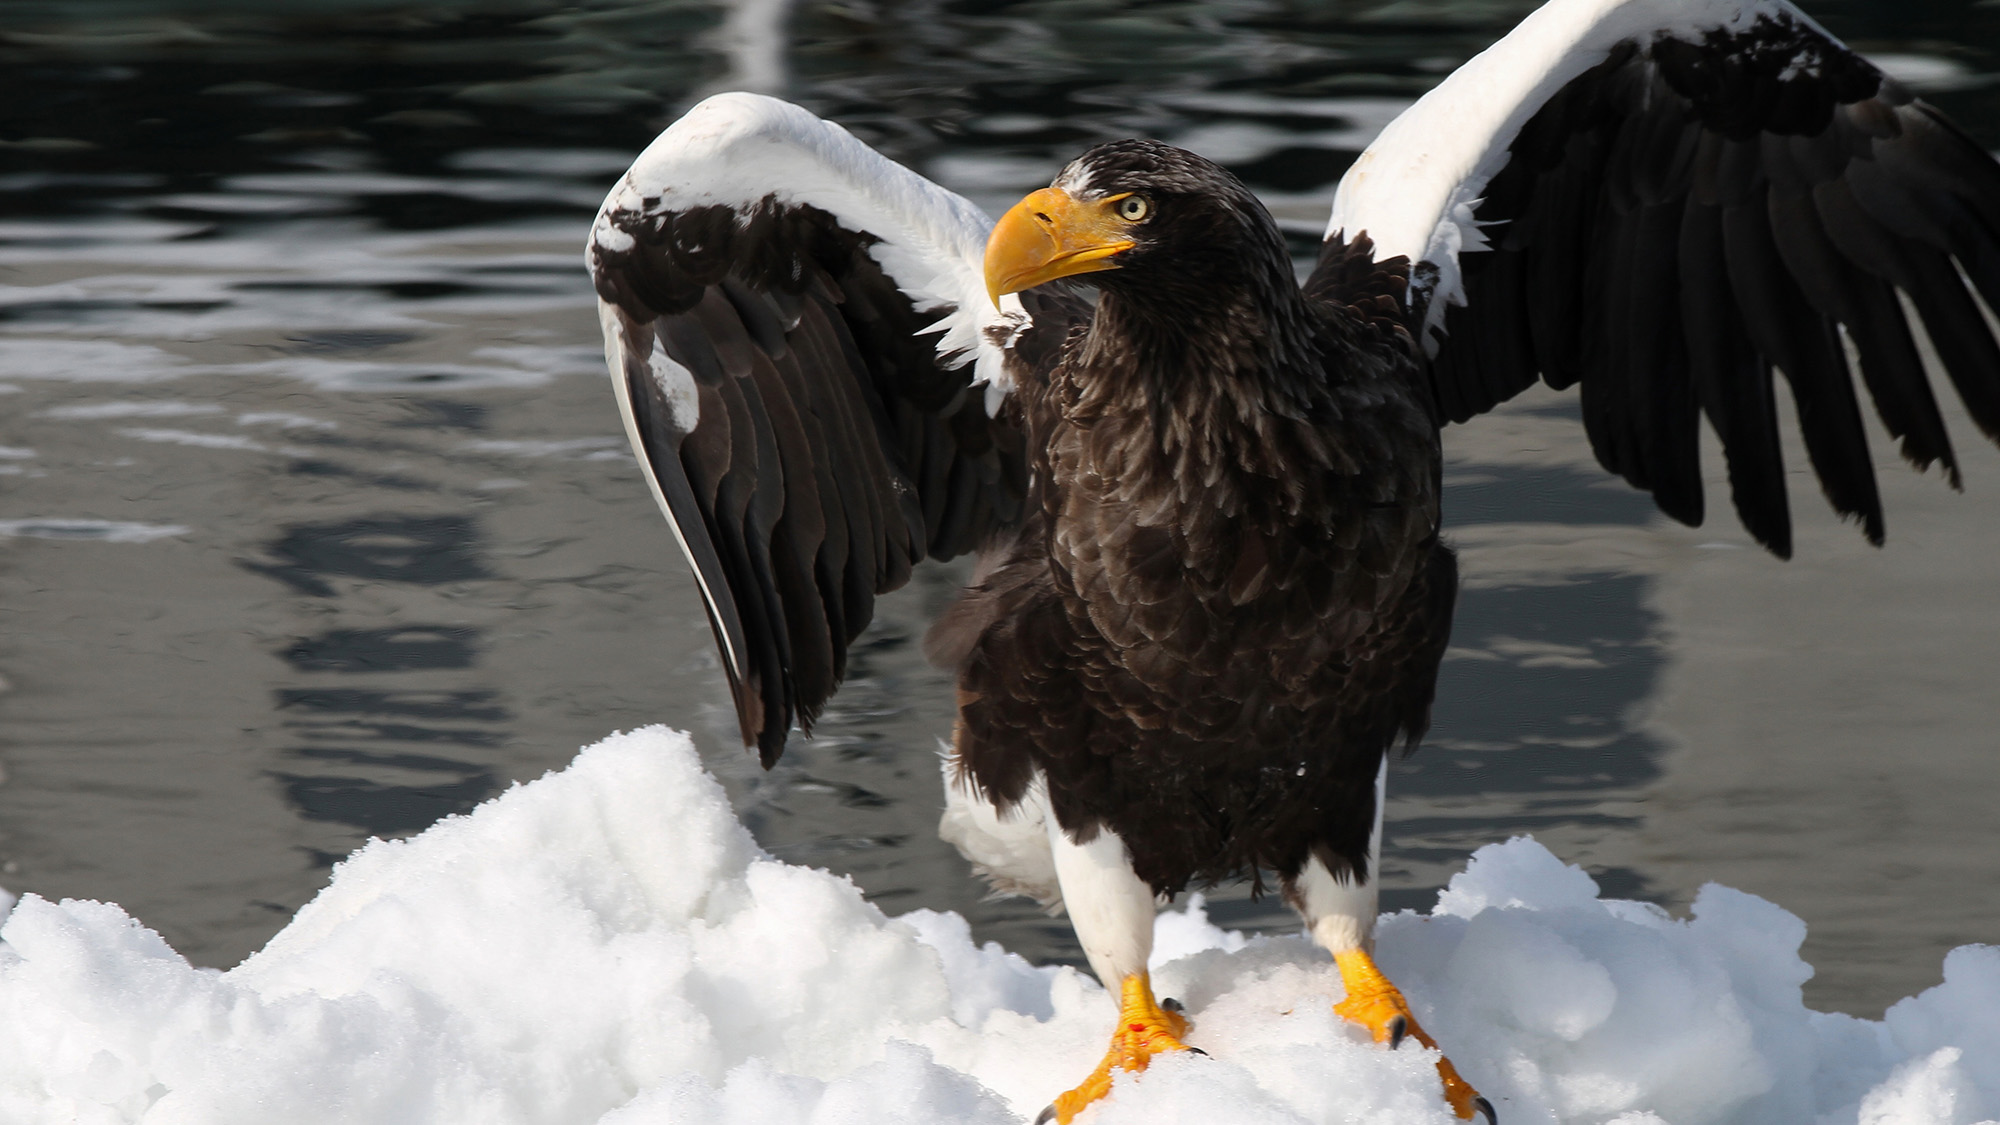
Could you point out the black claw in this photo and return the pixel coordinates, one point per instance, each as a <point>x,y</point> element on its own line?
<point>1398,1027</point>
<point>1199,1051</point>
<point>1172,1005</point>
<point>1486,1108</point>
<point>1048,1114</point>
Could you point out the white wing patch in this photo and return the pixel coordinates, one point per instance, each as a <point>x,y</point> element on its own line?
<point>1413,191</point>
<point>735,149</point>
<point>676,383</point>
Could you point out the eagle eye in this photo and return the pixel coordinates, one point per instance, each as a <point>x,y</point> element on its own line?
<point>1134,208</point>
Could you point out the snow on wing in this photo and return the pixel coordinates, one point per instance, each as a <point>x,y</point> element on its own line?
<point>1665,201</point>
<point>769,289</point>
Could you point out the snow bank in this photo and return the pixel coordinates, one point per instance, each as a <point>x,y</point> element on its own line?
<point>608,945</point>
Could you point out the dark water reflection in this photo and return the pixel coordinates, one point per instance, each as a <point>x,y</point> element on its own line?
<point>316,522</point>
<point>425,550</point>
<point>382,787</point>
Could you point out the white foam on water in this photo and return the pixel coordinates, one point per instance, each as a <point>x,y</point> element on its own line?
<point>101,531</point>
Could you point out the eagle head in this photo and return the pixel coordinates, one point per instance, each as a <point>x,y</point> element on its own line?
<point>1160,222</point>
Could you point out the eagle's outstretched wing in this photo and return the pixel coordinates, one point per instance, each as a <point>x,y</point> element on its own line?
<point>798,331</point>
<point>1662,200</point>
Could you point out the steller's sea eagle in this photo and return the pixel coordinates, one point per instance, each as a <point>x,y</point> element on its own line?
<point>1210,591</point>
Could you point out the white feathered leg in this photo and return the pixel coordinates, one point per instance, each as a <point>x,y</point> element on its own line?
<point>1112,911</point>
<point>1340,910</point>
<point>1340,913</point>
<point>1109,906</point>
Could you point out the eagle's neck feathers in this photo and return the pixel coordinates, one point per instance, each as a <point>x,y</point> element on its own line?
<point>1207,399</point>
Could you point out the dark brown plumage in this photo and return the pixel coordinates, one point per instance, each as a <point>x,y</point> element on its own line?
<point>1230,598</point>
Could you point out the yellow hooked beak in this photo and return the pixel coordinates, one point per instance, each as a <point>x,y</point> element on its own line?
<point>1052,234</point>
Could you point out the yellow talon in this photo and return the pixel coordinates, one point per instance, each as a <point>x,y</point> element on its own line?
<point>1144,1029</point>
<point>1379,1006</point>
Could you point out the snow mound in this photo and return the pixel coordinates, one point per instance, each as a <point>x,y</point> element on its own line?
<point>608,945</point>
